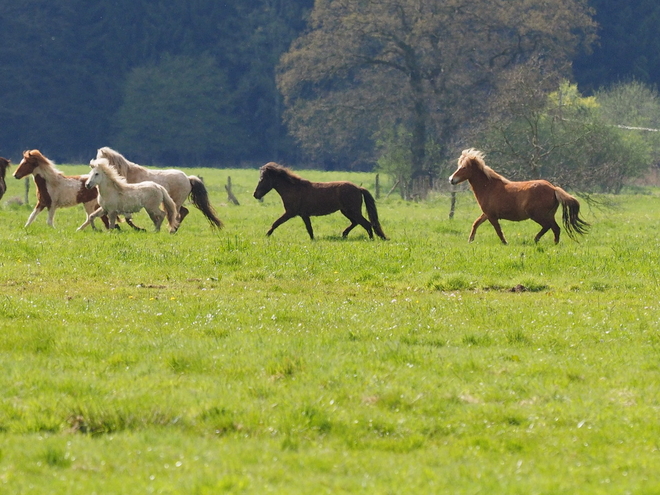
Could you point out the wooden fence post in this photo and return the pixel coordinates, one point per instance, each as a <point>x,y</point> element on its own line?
<point>452,208</point>
<point>377,186</point>
<point>27,191</point>
<point>230,195</point>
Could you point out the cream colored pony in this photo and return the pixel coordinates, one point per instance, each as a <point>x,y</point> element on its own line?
<point>179,185</point>
<point>118,197</point>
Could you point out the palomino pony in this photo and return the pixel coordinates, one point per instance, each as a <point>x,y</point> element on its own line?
<point>4,164</point>
<point>54,189</point>
<point>500,198</point>
<point>118,197</point>
<point>306,199</point>
<point>179,185</point>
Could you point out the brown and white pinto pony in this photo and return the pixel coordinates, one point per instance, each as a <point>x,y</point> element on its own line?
<point>54,189</point>
<point>179,185</point>
<point>307,199</point>
<point>502,199</point>
<point>4,164</point>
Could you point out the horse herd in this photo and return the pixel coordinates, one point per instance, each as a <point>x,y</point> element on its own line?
<point>116,186</point>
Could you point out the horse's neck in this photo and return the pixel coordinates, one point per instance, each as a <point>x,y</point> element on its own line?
<point>286,188</point>
<point>135,172</point>
<point>48,172</point>
<point>481,183</point>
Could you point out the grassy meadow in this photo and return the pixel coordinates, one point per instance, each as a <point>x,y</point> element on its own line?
<point>227,362</point>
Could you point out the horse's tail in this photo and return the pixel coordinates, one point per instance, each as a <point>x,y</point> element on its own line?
<point>370,203</point>
<point>171,210</point>
<point>571,214</point>
<point>200,198</point>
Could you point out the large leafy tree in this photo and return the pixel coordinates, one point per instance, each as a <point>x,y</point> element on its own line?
<point>426,65</point>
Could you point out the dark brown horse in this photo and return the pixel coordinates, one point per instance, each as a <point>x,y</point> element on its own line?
<point>502,199</point>
<point>308,199</point>
<point>4,164</point>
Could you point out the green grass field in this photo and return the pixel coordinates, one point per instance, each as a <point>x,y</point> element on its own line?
<point>228,362</point>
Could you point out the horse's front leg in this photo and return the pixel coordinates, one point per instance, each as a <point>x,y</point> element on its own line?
<point>308,224</point>
<point>90,218</point>
<point>475,225</point>
<point>51,215</point>
<point>37,209</point>
<point>279,221</point>
<point>496,225</point>
<point>112,220</point>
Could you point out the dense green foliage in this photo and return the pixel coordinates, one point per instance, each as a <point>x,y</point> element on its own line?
<point>628,46</point>
<point>235,363</point>
<point>72,76</point>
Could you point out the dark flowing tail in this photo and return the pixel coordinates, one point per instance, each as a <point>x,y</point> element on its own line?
<point>373,213</point>
<point>200,198</point>
<point>571,214</point>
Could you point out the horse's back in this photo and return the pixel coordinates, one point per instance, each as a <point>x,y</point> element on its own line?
<point>323,198</point>
<point>518,201</point>
<point>175,181</point>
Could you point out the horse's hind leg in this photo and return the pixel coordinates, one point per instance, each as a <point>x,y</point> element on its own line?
<point>357,219</point>
<point>545,226</point>
<point>183,212</point>
<point>349,228</point>
<point>129,221</point>
<point>157,216</point>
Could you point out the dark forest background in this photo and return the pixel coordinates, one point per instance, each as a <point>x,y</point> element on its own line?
<point>193,82</point>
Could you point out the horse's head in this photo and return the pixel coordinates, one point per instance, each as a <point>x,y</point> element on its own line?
<point>4,165</point>
<point>265,183</point>
<point>31,160</point>
<point>467,162</point>
<point>96,174</point>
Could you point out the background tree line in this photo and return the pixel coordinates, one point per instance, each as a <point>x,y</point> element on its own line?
<point>399,84</point>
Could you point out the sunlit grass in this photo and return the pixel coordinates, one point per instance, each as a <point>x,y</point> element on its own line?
<point>208,362</point>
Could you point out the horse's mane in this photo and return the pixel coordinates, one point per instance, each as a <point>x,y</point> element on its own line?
<point>4,164</point>
<point>109,171</point>
<point>479,159</point>
<point>45,165</point>
<point>283,173</point>
<point>117,160</point>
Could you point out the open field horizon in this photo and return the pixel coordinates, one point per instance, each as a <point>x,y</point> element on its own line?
<point>228,362</point>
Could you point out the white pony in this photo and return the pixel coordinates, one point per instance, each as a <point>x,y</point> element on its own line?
<point>118,197</point>
<point>179,185</point>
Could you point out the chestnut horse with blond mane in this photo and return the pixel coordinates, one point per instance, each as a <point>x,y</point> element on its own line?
<point>54,189</point>
<point>179,185</point>
<point>307,199</point>
<point>502,199</point>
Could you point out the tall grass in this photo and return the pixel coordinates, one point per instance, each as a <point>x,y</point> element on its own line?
<point>208,362</point>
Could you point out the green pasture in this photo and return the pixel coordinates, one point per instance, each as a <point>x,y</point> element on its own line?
<point>227,362</point>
